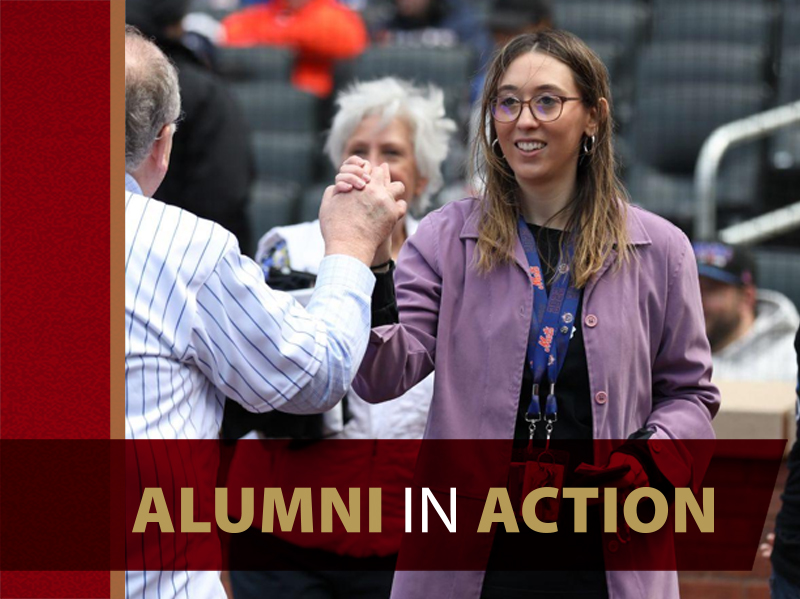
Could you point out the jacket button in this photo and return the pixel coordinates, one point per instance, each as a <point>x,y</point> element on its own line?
<point>613,546</point>
<point>601,397</point>
<point>590,320</point>
<point>655,446</point>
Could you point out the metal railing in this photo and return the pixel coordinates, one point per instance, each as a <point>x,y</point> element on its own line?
<point>708,162</point>
<point>763,227</point>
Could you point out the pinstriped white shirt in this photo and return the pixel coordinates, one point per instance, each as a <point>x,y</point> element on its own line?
<point>201,324</point>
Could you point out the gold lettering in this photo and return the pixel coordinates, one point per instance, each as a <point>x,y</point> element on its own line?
<point>273,502</point>
<point>155,496</point>
<point>703,518</point>
<point>221,510</point>
<point>505,515</point>
<point>351,520</point>
<point>187,513</point>
<point>529,510</point>
<point>632,518</point>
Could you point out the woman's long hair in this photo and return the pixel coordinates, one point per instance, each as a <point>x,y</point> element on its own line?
<point>597,212</point>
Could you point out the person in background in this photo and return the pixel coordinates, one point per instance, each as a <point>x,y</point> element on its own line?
<point>382,121</point>
<point>510,18</point>
<point>437,23</point>
<point>211,168</point>
<point>750,330</point>
<point>785,580</point>
<point>320,31</point>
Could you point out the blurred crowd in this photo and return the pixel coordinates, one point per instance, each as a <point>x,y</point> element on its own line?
<point>278,93</point>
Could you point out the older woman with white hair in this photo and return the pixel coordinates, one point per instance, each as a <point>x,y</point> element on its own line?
<point>386,121</point>
<point>383,121</point>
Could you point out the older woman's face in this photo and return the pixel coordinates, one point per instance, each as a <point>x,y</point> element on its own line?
<point>392,144</point>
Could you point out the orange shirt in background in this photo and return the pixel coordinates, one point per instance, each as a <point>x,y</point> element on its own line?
<point>321,32</point>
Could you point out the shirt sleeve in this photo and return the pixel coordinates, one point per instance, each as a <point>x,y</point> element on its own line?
<point>401,355</point>
<point>684,399</point>
<point>384,302</point>
<point>266,351</point>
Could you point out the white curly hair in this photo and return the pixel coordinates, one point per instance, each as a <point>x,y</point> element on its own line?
<point>422,108</point>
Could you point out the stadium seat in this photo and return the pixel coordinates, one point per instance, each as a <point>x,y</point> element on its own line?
<point>272,205</point>
<point>672,195</point>
<point>262,63</point>
<point>210,8</point>
<point>286,156</point>
<point>785,149</point>
<point>277,107</point>
<point>779,270</point>
<point>451,69</point>
<point>665,63</point>
<point>310,201</point>
<point>790,32</point>
<point>672,122</point>
<point>619,21</point>
<point>614,29</point>
<point>741,22</point>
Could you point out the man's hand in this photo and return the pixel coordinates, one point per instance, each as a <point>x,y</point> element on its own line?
<point>360,211</point>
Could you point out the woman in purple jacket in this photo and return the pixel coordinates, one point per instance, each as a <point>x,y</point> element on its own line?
<point>606,293</point>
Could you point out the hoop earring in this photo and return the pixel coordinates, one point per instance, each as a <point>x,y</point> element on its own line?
<point>588,144</point>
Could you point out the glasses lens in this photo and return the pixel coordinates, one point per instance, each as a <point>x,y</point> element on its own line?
<point>547,108</point>
<point>506,109</point>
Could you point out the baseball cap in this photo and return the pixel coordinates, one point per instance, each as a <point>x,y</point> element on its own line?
<point>725,263</point>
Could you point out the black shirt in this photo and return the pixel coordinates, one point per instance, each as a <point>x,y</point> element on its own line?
<point>573,391</point>
<point>574,422</point>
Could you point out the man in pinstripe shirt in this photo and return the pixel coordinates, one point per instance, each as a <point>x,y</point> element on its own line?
<point>200,323</point>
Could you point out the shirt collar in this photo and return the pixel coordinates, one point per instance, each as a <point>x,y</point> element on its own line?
<point>132,185</point>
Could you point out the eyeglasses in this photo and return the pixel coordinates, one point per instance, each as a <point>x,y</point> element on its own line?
<point>545,108</point>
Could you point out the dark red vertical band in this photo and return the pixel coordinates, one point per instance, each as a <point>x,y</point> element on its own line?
<point>54,240</point>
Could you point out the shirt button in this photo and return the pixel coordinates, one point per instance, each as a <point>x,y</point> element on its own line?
<point>590,320</point>
<point>601,397</point>
<point>613,546</point>
<point>522,311</point>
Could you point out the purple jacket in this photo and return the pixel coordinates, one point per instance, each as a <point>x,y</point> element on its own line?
<point>648,358</point>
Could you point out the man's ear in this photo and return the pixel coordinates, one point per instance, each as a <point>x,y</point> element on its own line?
<point>162,148</point>
<point>749,293</point>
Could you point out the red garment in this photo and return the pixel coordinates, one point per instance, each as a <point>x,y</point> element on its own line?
<point>321,32</point>
<point>341,463</point>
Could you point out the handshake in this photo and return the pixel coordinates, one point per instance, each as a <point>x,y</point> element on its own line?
<point>359,212</point>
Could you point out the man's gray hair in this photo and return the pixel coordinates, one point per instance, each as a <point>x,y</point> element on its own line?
<point>152,96</point>
<point>421,108</point>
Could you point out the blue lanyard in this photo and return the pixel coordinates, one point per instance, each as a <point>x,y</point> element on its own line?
<point>552,319</point>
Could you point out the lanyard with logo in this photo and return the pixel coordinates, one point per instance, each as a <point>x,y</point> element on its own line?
<point>552,319</point>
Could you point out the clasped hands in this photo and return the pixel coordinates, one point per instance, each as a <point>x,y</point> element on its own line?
<point>359,212</point>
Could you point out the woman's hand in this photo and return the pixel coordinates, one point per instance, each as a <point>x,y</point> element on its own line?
<point>635,478</point>
<point>353,174</point>
<point>357,222</point>
<point>384,252</point>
